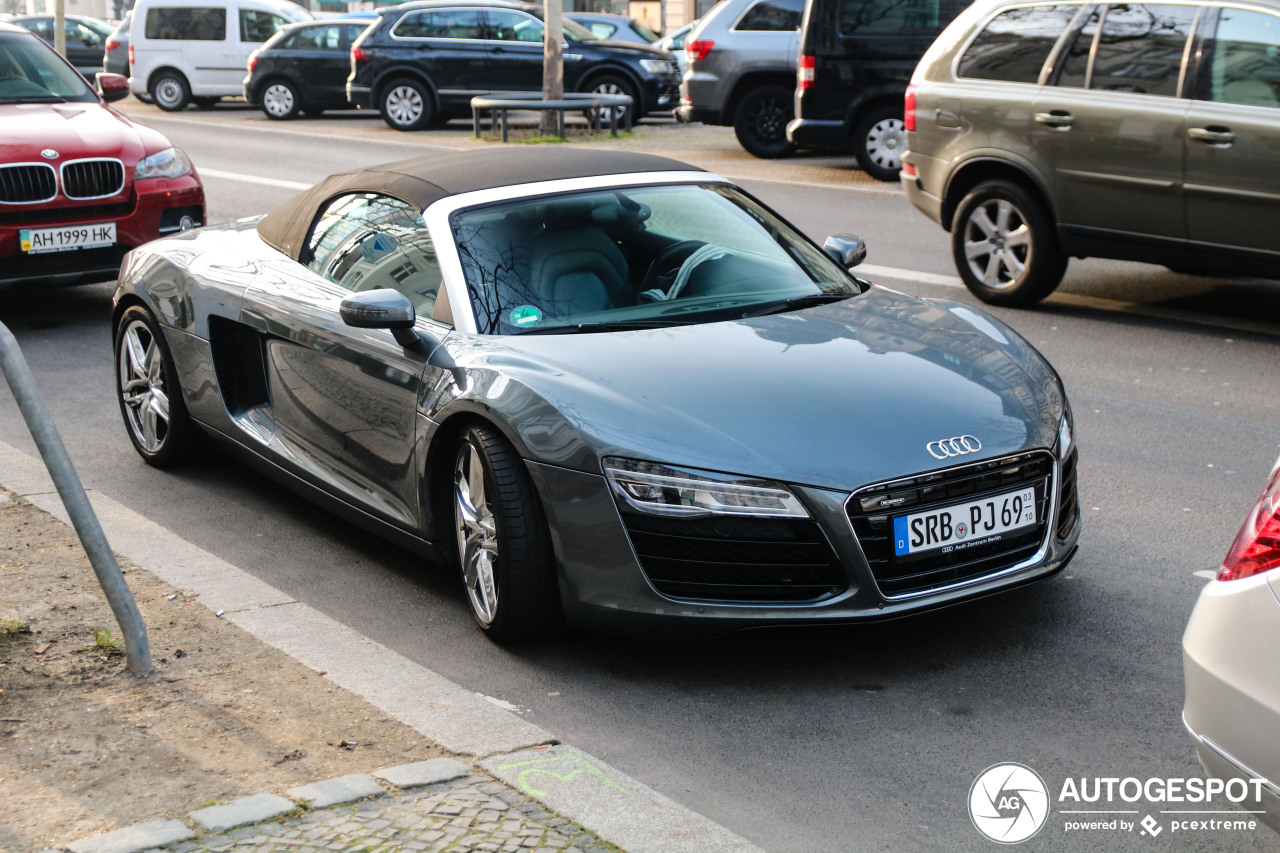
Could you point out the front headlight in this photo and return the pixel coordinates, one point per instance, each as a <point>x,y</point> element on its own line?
<point>658,66</point>
<point>662,490</point>
<point>169,163</point>
<point>1066,435</point>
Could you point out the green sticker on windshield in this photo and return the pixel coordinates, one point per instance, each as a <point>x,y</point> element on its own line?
<point>525,315</point>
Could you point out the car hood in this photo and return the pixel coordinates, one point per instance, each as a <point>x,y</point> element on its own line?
<point>74,130</point>
<point>646,51</point>
<point>835,397</point>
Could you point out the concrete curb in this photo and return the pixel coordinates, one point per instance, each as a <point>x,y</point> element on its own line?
<point>569,781</point>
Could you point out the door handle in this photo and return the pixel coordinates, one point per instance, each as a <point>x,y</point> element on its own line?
<point>1214,137</point>
<point>1057,119</point>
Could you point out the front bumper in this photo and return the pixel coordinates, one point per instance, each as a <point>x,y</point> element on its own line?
<point>1231,653</point>
<point>154,208</point>
<point>604,586</point>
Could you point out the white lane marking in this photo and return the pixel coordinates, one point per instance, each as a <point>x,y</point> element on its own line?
<point>253,179</point>
<point>1206,574</point>
<point>886,190</point>
<point>1075,299</point>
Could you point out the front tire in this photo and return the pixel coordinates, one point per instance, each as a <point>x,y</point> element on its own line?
<point>405,104</point>
<point>503,546</point>
<point>170,91</point>
<point>1004,245</point>
<point>760,122</point>
<point>611,84</point>
<point>155,415</point>
<point>879,140</point>
<point>280,101</point>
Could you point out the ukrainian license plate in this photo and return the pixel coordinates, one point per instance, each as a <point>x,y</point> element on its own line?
<point>67,238</point>
<point>963,526</point>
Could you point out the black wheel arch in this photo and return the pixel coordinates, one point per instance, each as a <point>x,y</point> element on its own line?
<point>750,79</point>
<point>163,70</point>
<point>399,73</point>
<point>605,70</point>
<point>979,170</point>
<point>297,88</point>
<point>867,101</point>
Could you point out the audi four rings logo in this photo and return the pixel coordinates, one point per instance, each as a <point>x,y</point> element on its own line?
<point>956,446</point>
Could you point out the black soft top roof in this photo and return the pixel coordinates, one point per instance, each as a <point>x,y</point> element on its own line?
<point>423,180</point>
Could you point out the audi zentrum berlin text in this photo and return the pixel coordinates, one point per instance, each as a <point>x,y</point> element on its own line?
<point>606,387</point>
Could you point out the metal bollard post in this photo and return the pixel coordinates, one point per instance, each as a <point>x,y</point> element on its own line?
<point>36,414</point>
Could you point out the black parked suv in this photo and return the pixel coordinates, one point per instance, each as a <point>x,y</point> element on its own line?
<point>303,67</point>
<point>856,58</point>
<point>424,61</point>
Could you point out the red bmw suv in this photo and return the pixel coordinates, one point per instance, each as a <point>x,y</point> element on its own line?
<point>80,184</point>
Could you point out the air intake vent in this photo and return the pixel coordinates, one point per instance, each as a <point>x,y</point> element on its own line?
<point>92,178</point>
<point>27,183</point>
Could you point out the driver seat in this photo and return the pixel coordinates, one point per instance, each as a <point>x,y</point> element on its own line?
<point>577,270</point>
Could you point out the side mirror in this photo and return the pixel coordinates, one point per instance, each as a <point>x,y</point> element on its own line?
<point>382,309</point>
<point>112,87</point>
<point>846,249</point>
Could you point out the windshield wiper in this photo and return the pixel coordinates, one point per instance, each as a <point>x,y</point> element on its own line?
<point>34,99</point>
<point>612,326</point>
<point>806,301</point>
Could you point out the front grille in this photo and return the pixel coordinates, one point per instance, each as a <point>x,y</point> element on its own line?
<point>738,560</point>
<point>92,178</point>
<point>1068,498</point>
<point>27,183</point>
<point>914,575</point>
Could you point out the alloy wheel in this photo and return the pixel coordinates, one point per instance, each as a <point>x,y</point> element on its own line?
<point>608,87</point>
<point>278,100</point>
<point>477,534</point>
<point>769,120</point>
<point>404,105</point>
<point>997,244</point>
<point>143,386</point>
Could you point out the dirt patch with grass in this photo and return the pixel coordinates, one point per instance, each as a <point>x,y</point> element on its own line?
<point>85,746</point>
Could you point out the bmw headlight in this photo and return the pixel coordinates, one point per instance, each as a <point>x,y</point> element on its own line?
<point>1066,436</point>
<point>169,163</point>
<point>658,66</point>
<point>662,490</point>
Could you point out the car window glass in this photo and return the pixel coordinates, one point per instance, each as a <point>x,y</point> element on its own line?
<point>188,24</point>
<point>256,27</point>
<point>602,30</point>
<point>513,26</point>
<point>677,43</point>
<point>1015,45</point>
<point>78,33</point>
<point>353,32</point>
<point>367,241</point>
<point>1075,59</point>
<point>772,16</point>
<point>442,24</point>
<point>318,38</point>
<point>1140,48</point>
<point>1245,68</point>
<point>30,72</point>
<point>42,28</point>
<point>896,17</point>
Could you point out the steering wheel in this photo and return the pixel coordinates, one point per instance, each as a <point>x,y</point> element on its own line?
<point>708,252</point>
<point>664,269</point>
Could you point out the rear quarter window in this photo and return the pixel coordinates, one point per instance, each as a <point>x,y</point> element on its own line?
<point>772,16</point>
<point>1013,47</point>
<point>186,24</point>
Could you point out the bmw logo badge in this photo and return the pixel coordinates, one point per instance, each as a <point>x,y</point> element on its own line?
<point>49,154</point>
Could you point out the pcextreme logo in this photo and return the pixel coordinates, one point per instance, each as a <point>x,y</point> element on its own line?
<point>1010,803</point>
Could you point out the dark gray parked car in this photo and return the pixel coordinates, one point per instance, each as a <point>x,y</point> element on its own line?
<point>1147,132</point>
<point>605,387</point>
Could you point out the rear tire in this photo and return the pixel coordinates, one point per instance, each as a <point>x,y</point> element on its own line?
<point>405,104</point>
<point>170,91</point>
<point>879,140</point>
<point>280,101</point>
<point>760,122</point>
<point>1004,245</point>
<point>205,102</point>
<point>151,402</point>
<point>503,545</point>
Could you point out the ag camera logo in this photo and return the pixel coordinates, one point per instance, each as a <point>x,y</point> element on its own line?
<point>1008,803</point>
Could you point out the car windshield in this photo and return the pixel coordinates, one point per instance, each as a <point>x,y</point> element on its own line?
<point>644,32</point>
<point>639,257</point>
<point>31,72</point>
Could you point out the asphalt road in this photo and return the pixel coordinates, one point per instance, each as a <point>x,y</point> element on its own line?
<point>800,740</point>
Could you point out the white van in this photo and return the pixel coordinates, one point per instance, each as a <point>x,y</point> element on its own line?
<point>197,50</point>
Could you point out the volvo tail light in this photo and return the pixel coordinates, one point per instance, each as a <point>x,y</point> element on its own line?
<point>698,49</point>
<point>1257,546</point>
<point>358,54</point>
<point>804,73</point>
<point>909,110</point>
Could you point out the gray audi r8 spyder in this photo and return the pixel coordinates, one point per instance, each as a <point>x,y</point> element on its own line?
<point>610,389</point>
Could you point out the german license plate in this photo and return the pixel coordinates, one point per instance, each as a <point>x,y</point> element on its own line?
<point>964,525</point>
<point>67,238</point>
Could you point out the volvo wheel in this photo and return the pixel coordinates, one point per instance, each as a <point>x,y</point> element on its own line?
<point>760,122</point>
<point>155,415</point>
<point>502,543</point>
<point>1004,245</point>
<point>879,140</point>
<point>406,104</point>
